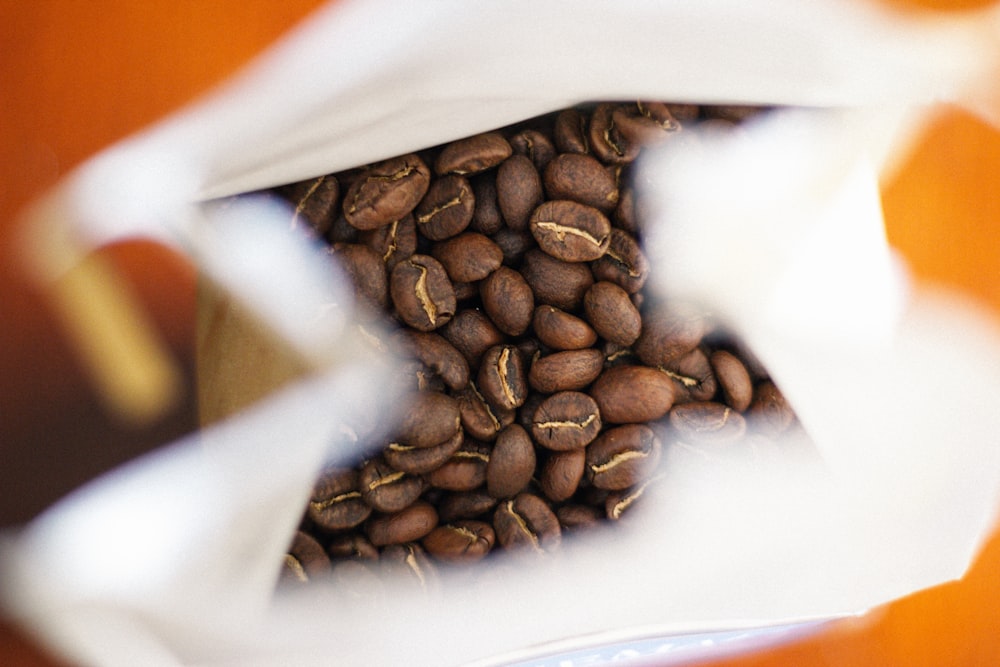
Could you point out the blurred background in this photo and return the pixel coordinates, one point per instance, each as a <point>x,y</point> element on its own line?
<point>76,77</point>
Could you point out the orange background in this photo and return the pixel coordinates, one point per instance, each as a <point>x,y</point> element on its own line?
<point>76,76</point>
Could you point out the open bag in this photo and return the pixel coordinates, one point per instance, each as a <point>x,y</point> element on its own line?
<point>173,558</point>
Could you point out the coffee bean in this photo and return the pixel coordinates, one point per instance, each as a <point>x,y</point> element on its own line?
<point>463,541</point>
<point>519,191</point>
<point>645,123</point>
<point>623,264</point>
<point>534,145</point>
<point>694,379</point>
<point>502,379</point>
<point>567,420</point>
<point>514,243</point>
<point>407,525</point>
<point>583,179</point>
<point>632,394</point>
<point>769,411</point>
<point>419,460</point>
<point>367,271</point>
<point>668,335</point>
<point>472,155</point>
<point>466,504</point>
<point>465,470</point>
<point>352,545</point>
<point>336,502</point>
<point>570,370</point>
<point>527,522</point>
<point>429,418</point>
<point>623,456</point>
<point>315,203</point>
<point>555,282</point>
<point>446,209</point>
<point>387,489</point>
<point>486,217</point>
<point>559,330</point>
<point>468,257</point>
<point>707,421</point>
<point>612,314</point>
<point>304,561</point>
<point>737,387</point>
<point>393,242</point>
<point>606,141</point>
<point>508,300</point>
<point>618,503</point>
<point>570,231</point>
<point>561,474</point>
<point>578,516</point>
<point>409,566</point>
<point>436,353</point>
<point>511,464</point>
<point>421,292</point>
<point>570,133</point>
<point>386,192</point>
<point>481,420</point>
<point>472,333</point>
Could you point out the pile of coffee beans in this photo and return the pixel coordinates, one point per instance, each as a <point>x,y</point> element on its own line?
<point>508,270</point>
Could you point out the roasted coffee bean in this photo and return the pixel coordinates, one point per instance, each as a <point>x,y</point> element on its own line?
<point>446,209</point>
<point>559,330</point>
<point>422,293</point>
<point>468,257</point>
<point>407,525</point>
<point>352,545</point>
<point>570,231</point>
<point>561,474</point>
<point>534,145</point>
<point>570,133</point>
<point>623,456</point>
<point>733,378</point>
<point>514,243</point>
<point>583,179</point>
<point>625,217</point>
<point>668,334</point>
<point>465,504</point>
<point>465,470</point>
<point>486,217</point>
<point>429,418</point>
<point>618,503</point>
<point>336,502</point>
<point>707,421</point>
<point>645,123</point>
<point>609,310</point>
<point>386,192</point>
<point>554,281</point>
<point>769,411</point>
<point>393,242</point>
<point>618,355</point>
<point>570,370</point>
<point>632,394</point>
<point>464,541</point>
<point>305,560</point>
<point>502,379</point>
<point>623,264</point>
<point>481,420</point>
<point>511,464</point>
<point>519,191</point>
<point>606,141</point>
<point>694,379</point>
<point>408,565</point>
<point>473,154</point>
<point>527,522</point>
<point>315,203</point>
<point>419,460</point>
<point>387,489</point>
<point>577,516</point>
<point>367,272</point>
<point>508,300</point>
<point>472,333</point>
<point>567,420</point>
<point>436,353</point>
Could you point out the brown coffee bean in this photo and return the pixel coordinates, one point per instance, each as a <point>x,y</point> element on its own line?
<point>769,411</point>
<point>707,421</point>
<point>421,292</point>
<point>570,370</point>
<point>386,192</point>
<point>561,474</point>
<point>555,282</point>
<point>502,379</point>
<point>387,489</point>
<point>305,560</point>
<point>468,257</point>
<point>618,355</point>
<point>625,216</point>
<point>514,244</point>
<point>465,504</point>
<point>623,264</point>
<point>519,191</point>
<point>481,420</point>
<point>436,353</point>
<point>408,565</point>
<point>609,310</point>
<point>508,300</point>
<point>737,387</point>
<point>632,394</point>
<point>606,141</point>
<point>315,203</point>
<point>473,154</point>
<point>472,333</point>
<point>570,231</point>
<point>623,456</point>
<point>512,462</point>
<point>419,460</point>
<point>583,179</point>
<point>527,522</point>
<point>463,541</point>
<point>645,123</point>
<point>367,272</point>
<point>559,330</point>
<point>446,209</point>
<point>668,334</point>
<point>486,217</point>
<point>352,545</point>
<point>570,133</point>
<point>578,516</point>
<point>694,379</point>
<point>336,502</point>
<point>407,525</point>
<point>428,418</point>
<point>393,242</point>
<point>465,470</point>
<point>618,503</point>
<point>534,145</point>
<point>567,420</point>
